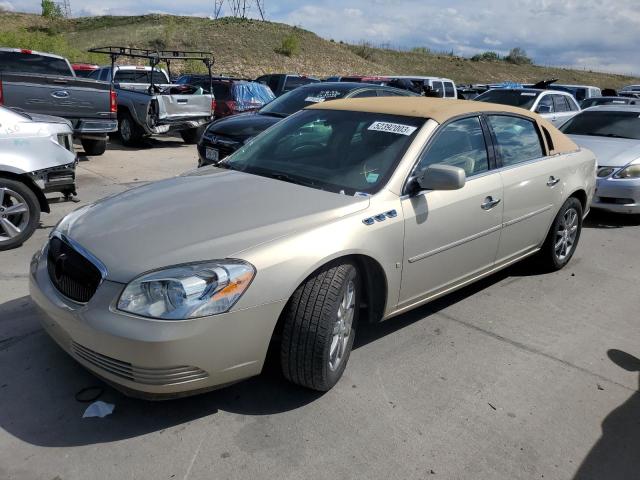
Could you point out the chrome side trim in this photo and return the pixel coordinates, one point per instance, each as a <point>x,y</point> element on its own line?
<point>528,215</point>
<point>457,243</point>
<point>473,237</point>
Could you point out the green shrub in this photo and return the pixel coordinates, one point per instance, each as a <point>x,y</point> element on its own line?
<point>364,50</point>
<point>290,46</point>
<point>486,57</point>
<point>518,56</point>
<point>50,9</point>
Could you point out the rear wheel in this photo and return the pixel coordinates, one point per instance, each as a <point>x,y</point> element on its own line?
<point>130,133</point>
<point>319,327</point>
<point>94,147</point>
<point>562,240</point>
<point>19,213</point>
<point>191,136</point>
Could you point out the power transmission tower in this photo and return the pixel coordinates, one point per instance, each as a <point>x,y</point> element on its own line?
<point>239,8</point>
<point>65,8</point>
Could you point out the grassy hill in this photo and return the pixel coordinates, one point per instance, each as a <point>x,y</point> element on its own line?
<point>249,48</point>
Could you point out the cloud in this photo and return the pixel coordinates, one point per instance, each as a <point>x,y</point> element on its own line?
<point>587,34</point>
<point>7,6</point>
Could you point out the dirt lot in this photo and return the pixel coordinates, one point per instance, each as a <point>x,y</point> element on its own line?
<point>525,375</point>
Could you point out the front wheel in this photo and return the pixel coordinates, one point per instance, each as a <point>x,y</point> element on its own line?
<point>191,136</point>
<point>563,237</point>
<point>94,147</point>
<point>319,327</point>
<point>19,213</point>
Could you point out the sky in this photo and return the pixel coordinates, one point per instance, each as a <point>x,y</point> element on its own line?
<point>590,34</point>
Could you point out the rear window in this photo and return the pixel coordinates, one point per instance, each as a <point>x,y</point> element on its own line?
<point>295,82</point>
<point>252,94</point>
<point>140,76</point>
<point>516,98</point>
<point>448,89</point>
<point>605,124</point>
<point>32,63</point>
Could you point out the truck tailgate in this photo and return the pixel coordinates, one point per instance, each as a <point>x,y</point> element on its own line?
<point>67,97</point>
<point>176,107</point>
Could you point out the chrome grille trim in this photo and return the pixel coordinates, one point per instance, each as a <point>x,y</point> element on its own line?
<point>147,376</point>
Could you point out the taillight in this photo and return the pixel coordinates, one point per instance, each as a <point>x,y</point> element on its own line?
<point>27,51</point>
<point>213,105</point>
<point>1,95</point>
<point>113,101</point>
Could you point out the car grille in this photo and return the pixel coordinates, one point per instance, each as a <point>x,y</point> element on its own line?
<point>71,273</point>
<point>147,376</point>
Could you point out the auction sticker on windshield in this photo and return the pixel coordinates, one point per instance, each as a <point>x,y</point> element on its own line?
<point>392,128</point>
<point>314,99</point>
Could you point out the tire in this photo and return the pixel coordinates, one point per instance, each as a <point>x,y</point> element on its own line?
<point>314,312</point>
<point>94,147</point>
<point>16,228</point>
<point>192,135</point>
<point>559,247</point>
<point>129,131</point>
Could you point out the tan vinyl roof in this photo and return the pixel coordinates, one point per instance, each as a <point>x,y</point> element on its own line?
<point>442,110</point>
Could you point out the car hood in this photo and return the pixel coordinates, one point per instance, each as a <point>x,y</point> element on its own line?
<point>610,152</point>
<point>244,125</point>
<point>204,215</point>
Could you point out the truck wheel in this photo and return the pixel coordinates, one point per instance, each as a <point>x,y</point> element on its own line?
<point>192,135</point>
<point>319,327</point>
<point>94,147</point>
<point>19,213</point>
<point>563,237</point>
<point>130,132</point>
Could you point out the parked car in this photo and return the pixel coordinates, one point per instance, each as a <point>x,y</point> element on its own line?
<point>148,103</point>
<point>36,157</point>
<point>555,106</point>
<point>612,132</point>
<point>232,95</point>
<point>46,84</point>
<point>631,88</point>
<point>579,92</point>
<point>434,86</point>
<point>84,69</point>
<point>349,211</point>
<point>281,83</point>
<point>595,101</point>
<point>223,137</point>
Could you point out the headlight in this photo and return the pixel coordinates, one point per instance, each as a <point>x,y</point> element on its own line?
<point>632,171</point>
<point>187,291</point>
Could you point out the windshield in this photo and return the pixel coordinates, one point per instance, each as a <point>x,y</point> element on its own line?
<point>605,124</point>
<point>298,99</point>
<point>140,76</point>
<point>515,98</point>
<point>338,151</point>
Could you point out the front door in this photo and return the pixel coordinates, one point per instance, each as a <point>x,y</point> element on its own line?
<point>452,235</point>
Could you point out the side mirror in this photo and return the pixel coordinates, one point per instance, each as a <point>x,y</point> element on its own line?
<point>442,177</point>
<point>543,109</point>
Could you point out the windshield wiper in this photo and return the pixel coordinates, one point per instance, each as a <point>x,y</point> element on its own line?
<point>286,178</point>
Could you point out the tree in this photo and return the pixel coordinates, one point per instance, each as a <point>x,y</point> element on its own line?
<point>518,56</point>
<point>50,9</point>
<point>486,57</point>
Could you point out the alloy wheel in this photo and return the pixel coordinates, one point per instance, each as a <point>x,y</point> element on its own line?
<point>14,214</point>
<point>566,233</point>
<point>342,327</point>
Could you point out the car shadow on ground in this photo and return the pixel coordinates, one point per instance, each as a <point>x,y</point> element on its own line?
<point>616,455</point>
<point>148,143</point>
<point>39,382</point>
<point>604,220</point>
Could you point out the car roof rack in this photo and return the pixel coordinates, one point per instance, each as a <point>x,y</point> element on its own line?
<point>155,57</point>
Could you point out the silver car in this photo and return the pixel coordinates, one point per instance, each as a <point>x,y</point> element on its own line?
<point>36,157</point>
<point>348,211</point>
<point>612,132</point>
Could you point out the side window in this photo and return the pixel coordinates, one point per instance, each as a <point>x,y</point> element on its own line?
<point>572,105</point>
<point>560,103</point>
<point>104,75</point>
<point>449,90</point>
<point>273,81</point>
<point>545,105</point>
<point>517,139</point>
<point>439,88</point>
<point>365,93</point>
<point>460,144</point>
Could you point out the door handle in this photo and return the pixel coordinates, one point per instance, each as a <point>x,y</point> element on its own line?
<point>489,203</point>
<point>553,181</point>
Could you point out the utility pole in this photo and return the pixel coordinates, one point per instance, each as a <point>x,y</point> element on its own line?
<point>238,8</point>
<point>65,8</point>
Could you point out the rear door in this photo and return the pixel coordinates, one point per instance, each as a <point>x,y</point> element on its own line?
<point>453,235</point>
<point>532,184</point>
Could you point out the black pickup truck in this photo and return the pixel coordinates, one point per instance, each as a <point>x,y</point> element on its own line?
<point>44,83</point>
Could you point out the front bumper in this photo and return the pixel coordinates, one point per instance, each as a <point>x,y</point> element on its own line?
<point>617,195</point>
<point>61,178</point>
<point>153,358</point>
<point>224,146</point>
